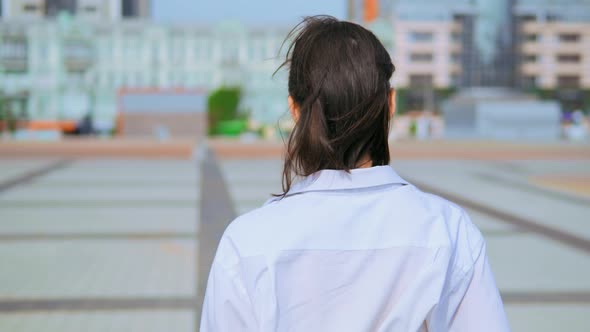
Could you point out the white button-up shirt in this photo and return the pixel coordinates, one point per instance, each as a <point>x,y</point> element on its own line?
<point>360,251</point>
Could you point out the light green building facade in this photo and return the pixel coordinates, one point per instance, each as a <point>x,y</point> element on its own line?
<point>71,67</point>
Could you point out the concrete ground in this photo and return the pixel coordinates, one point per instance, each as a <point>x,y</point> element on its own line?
<point>538,237</point>
<point>98,246</point>
<point>124,245</point>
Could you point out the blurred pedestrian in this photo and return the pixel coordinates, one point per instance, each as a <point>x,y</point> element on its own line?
<point>351,246</point>
<point>85,125</point>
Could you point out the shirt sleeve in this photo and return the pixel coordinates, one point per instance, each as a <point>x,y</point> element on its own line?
<point>227,306</point>
<point>473,301</point>
<point>480,306</point>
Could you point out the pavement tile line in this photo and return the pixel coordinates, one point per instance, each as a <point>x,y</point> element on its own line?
<point>216,212</point>
<point>502,233</point>
<point>565,238</point>
<point>93,204</point>
<point>175,303</point>
<point>32,175</point>
<point>96,236</point>
<point>97,304</point>
<point>544,297</point>
<point>535,189</point>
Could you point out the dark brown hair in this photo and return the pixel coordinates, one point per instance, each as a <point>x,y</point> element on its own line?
<point>339,78</point>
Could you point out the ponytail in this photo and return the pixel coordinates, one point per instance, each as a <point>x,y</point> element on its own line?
<point>339,81</point>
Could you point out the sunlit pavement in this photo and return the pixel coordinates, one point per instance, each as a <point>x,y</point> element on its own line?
<point>538,237</point>
<point>116,245</point>
<point>98,246</point>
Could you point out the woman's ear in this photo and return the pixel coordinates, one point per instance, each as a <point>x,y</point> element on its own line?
<point>392,104</point>
<point>293,109</point>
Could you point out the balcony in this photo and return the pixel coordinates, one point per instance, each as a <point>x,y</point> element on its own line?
<point>456,27</point>
<point>530,68</point>
<point>531,47</point>
<point>78,56</point>
<point>571,47</point>
<point>531,27</point>
<point>568,68</point>
<point>13,55</point>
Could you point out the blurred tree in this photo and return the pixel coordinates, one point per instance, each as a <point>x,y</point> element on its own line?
<point>444,93</point>
<point>2,98</point>
<point>222,106</point>
<point>400,103</point>
<point>580,99</point>
<point>544,94</point>
<point>8,115</point>
<point>586,101</point>
<point>2,113</point>
<point>438,95</point>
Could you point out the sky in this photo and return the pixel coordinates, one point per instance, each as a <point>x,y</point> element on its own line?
<point>248,11</point>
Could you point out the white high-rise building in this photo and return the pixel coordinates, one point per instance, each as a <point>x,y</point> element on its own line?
<point>555,48</point>
<point>519,44</point>
<point>85,9</point>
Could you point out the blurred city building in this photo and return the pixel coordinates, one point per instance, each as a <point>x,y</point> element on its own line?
<point>500,113</point>
<point>162,113</point>
<point>85,9</point>
<point>71,67</point>
<point>511,47</point>
<point>554,49</point>
<point>67,59</point>
<point>367,11</point>
<point>536,45</point>
<point>136,8</point>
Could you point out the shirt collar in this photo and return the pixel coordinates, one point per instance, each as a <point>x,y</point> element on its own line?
<point>329,179</point>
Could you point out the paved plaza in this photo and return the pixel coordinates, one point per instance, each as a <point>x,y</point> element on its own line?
<point>538,237</point>
<point>124,244</point>
<point>99,246</point>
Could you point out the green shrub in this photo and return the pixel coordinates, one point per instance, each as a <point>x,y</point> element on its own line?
<point>400,103</point>
<point>586,101</point>
<point>222,105</point>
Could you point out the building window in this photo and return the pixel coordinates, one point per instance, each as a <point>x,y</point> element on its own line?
<point>230,52</point>
<point>13,54</point>
<point>529,58</point>
<point>458,17</point>
<point>456,37</point>
<point>421,57</point>
<point>421,81</point>
<point>420,36</point>
<point>129,8</point>
<point>528,18</point>
<point>552,17</point>
<point>54,7</point>
<point>569,37</point>
<point>13,48</point>
<point>90,9</point>
<point>531,37</point>
<point>529,81</point>
<point>30,7</point>
<point>568,81</point>
<point>568,58</point>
